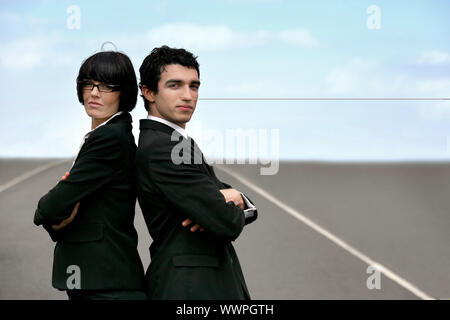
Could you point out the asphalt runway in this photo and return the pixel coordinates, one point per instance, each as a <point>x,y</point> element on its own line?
<point>320,228</point>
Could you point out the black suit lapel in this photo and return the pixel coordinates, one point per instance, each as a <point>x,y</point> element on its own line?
<point>198,157</point>
<point>124,119</point>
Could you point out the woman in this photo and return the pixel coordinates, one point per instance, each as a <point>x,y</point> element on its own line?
<point>90,212</point>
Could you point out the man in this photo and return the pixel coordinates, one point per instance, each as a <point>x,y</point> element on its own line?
<point>177,189</point>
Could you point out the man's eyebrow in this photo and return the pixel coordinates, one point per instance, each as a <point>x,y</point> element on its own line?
<point>174,81</point>
<point>177,81</point>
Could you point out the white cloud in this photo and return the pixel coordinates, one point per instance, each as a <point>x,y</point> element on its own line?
<point>435,110</point>
<point>434,57</point>
<point>192,36</point>
<point>217,37</point>
<point>435,87</point>
<point>299,37</point>
<point>438,88</point>
<point>11,18</point>
<point>242,89</point>
<point>369,79</point>
<point>24,53</point>
<point>40,49</point>
<point>354,78</point>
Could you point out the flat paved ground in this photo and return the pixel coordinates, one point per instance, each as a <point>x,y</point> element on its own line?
<point>320,226</point>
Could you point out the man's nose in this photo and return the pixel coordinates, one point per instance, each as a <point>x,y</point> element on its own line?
<point>186,94</point>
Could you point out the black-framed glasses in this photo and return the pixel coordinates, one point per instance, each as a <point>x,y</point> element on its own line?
<point>102,87</point>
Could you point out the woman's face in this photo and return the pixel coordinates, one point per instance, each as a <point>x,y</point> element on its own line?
<point>99,105</point>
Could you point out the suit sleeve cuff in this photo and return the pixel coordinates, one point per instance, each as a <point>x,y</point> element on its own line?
<point>251,213</point>
<point>250,205</point>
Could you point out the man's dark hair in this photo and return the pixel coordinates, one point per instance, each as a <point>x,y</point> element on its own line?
<point>111,67</point>
<point>154,64</point>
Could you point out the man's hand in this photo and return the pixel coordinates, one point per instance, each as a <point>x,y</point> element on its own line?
<point>65,222</point>
<point>230,195</point>
<point>193,228</point>
<point>234,196</point>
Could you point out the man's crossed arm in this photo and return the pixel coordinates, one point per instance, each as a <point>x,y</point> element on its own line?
<point>239,200</point>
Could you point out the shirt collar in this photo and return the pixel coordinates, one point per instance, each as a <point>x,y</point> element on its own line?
<point>102,124</point>
<point>170,124</point>
<point>86,136</point>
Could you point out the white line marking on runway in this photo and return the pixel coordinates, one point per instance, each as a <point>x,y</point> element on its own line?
<point>388,273</point>
<point>30,173</point>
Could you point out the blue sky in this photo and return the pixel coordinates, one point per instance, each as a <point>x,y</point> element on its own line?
<point>247,48</point>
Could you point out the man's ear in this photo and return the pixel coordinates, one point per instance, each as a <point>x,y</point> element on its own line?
<point>148,94</point>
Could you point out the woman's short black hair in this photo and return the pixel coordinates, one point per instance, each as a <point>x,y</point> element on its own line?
<point>110,67</point>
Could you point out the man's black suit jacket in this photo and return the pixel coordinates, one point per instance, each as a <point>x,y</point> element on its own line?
<point>101,241</point>
<point>185,264</point>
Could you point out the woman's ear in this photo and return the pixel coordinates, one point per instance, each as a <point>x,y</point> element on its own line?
<point>148,94</point>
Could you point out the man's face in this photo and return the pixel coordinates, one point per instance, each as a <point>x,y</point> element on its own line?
<point>177,94</point>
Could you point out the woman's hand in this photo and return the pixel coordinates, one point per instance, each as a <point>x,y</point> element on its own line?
<point>193,228</point>
<point>68,220</point>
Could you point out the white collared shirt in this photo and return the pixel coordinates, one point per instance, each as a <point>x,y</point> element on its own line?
<point>170,124</point>
<point>86,136</point>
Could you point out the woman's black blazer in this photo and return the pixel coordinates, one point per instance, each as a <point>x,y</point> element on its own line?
<point>101,242</point>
